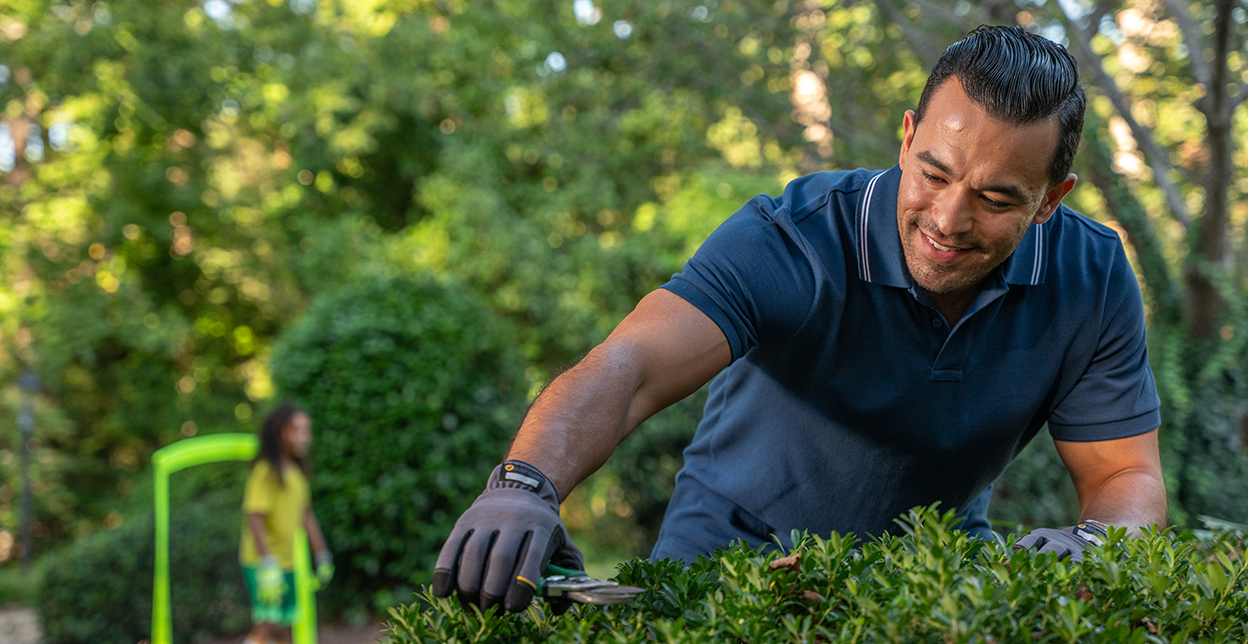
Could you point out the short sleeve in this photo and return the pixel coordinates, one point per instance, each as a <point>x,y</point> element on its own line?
<point>260,492</point>
<point>1116,396</point>
<point>753,276</point>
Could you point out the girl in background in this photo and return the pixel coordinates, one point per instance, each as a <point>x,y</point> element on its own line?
<point>275,503</point>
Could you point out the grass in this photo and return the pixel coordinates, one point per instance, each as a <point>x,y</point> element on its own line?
<point>17,587</point>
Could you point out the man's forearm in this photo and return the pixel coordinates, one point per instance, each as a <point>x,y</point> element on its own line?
<point>1131,499</point>
<point>578,420</point>
<point>663,351</point>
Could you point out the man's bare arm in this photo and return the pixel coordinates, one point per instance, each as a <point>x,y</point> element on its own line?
<point>663,351</point>
<point>1119,482</point>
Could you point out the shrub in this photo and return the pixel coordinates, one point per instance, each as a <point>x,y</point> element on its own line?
<point>932,584</point>
<point>413,387</point>
<point>99,589</point>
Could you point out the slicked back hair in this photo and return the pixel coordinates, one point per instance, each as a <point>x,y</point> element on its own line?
<point>1019,78</point>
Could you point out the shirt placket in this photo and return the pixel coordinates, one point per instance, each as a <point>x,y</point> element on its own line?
<point>957,344</point>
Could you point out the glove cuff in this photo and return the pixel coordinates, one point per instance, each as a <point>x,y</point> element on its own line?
<point>268,561</point>
<point>324,557</point>
<point>518,475</point>
<point>1091,530</point>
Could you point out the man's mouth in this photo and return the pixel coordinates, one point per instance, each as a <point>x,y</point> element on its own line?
<point>942,247</point>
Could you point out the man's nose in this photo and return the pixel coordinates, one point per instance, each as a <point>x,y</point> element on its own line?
<point>952,214</point>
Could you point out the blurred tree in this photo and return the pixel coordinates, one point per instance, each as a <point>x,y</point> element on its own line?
<point>183,181</point>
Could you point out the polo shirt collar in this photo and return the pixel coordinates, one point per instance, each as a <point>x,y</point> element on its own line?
<point>1029,262</point>
<point>880,257</point>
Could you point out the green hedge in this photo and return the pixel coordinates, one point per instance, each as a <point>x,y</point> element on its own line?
<point>414,388</point>
<point>932,584</point>
<point>98,590</point>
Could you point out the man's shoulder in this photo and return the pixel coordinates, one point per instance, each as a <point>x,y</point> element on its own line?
<point>809,193</point>
<point>1083,240</point>
<point>1078,225</point>
<point>1085,255</point>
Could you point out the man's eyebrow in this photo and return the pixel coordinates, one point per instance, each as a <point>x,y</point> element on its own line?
<point>1011,191</point>
<point>930,159</point>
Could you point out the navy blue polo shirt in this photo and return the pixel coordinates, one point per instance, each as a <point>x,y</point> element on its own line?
<point>850,399</point>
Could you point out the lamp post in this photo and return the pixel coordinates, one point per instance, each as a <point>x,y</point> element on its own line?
<point>28,382</point>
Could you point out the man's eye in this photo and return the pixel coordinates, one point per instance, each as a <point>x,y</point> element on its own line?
<point>931,177</point>
<point>994,204</point>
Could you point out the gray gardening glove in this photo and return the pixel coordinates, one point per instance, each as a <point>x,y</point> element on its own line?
<point>500,546</point>
<point>1067,542</point>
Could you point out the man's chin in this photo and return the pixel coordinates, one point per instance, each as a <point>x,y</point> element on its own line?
<point>941,284</point>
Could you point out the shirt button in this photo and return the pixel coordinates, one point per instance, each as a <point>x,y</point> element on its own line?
<point>937,323</point>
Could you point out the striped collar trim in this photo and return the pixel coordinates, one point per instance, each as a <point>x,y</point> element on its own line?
<point>1029,263</point>
<point>880,257</point>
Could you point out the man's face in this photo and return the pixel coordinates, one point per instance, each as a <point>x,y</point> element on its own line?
<point>970,187</point>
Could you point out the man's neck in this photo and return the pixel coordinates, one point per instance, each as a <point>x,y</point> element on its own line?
<point>953,304</point>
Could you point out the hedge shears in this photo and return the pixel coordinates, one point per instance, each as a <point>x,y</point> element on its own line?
<point>580,587</point>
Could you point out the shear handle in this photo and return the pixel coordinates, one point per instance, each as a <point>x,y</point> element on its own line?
<point>553,571</point>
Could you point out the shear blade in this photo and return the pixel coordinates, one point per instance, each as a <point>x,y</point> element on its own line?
<point>605,595</point>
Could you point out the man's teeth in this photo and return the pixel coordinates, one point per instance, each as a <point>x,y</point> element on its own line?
<point>939,247</point>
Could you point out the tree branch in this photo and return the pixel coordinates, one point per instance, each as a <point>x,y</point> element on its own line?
<point>1098,13</point>
<point>927,52</point>
<point>1157,158</point>
<point>1126,209</point>
<point>1191,37</point>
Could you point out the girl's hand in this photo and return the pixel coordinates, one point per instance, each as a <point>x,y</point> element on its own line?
<point>270,582</point>
<point>324,567</point>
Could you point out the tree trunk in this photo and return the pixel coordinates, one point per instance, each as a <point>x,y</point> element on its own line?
<point>1211,256</point>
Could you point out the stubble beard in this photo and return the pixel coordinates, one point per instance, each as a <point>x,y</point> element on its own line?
<point>933,277</point>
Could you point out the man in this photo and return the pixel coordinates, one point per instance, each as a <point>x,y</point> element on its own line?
<point>882,339</point>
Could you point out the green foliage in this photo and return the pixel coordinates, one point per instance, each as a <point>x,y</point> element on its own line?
<point>413,387</point>
<point>932,584</point>
<point>19,586</point>
<point>99,589</point>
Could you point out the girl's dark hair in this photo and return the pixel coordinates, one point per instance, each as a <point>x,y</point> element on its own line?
<point>1019,78</point>
<point>271,441</point>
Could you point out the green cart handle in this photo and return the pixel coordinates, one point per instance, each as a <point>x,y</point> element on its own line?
<point>212,449</point>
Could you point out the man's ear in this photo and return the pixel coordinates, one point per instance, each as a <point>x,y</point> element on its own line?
<point>908,125</point>
<point>1053,198</point>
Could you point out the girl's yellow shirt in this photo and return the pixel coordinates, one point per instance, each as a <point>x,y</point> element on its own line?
<point>283,507</point>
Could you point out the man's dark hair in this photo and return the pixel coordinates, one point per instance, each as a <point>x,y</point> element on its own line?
<point>1019,78</point>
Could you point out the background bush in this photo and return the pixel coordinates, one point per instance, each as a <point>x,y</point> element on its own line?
<point>932,584</point>
<point>414,388</point>
<point>1034,491</point>
<point>99,589</point>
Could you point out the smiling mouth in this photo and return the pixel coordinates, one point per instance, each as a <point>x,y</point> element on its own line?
<point>941,247</point>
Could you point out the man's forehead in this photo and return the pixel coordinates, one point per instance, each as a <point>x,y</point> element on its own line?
<point>958,135</point>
